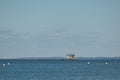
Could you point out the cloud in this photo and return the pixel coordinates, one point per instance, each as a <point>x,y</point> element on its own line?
<point>5,31</point>
<point>57,40</point>
<point>9,38</point>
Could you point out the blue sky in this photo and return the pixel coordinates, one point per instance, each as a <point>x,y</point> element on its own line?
<point>53,28</point>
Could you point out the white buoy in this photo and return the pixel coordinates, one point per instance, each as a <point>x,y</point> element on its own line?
<point>8,63</point>
<point>106,63</point>
<point>3,65</point>
<point>88,62</point>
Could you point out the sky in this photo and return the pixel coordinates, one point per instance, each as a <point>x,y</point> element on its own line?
<point>54,28</point>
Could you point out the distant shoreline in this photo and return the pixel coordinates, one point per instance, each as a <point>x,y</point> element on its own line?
<point>62,58</point>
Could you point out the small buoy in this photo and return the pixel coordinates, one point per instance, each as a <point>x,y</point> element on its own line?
<point>106,63</point>
<point>88,62</point>
<point>3,65</point>
<point>8,63</point>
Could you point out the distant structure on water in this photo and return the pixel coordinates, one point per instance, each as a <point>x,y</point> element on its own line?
<point>70,56</point>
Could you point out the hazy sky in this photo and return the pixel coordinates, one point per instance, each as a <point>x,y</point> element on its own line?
<point>49,28</point>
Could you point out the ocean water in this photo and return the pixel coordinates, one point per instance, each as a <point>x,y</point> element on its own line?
<point>59,70</point>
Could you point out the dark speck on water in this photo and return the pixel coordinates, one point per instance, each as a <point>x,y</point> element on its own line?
<point>60,70</point>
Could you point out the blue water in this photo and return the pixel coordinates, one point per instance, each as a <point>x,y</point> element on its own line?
<point>60,70</point>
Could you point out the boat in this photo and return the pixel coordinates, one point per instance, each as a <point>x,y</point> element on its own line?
<point>70,56</point>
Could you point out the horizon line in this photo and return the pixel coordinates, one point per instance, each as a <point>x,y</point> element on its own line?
<point>62,57</point>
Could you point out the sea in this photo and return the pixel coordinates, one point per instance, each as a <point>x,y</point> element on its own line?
<point>59,69</point>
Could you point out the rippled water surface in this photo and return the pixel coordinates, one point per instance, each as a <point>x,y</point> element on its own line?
<point>59,70</point>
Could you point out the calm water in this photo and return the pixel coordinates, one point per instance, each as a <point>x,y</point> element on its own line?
<point>60,70</point>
